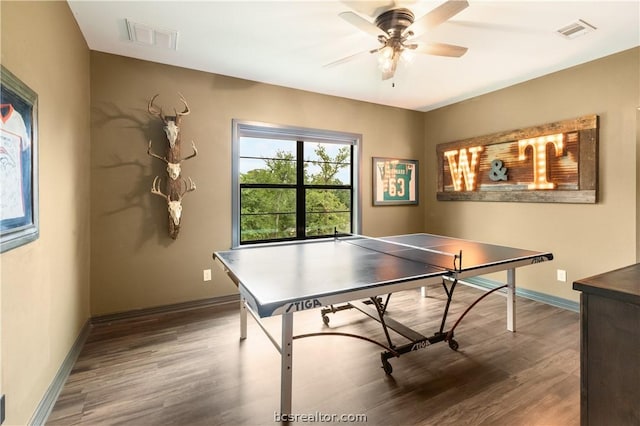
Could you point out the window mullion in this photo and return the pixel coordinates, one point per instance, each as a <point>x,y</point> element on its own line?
<point>353,179</point>
<point>301,207</point>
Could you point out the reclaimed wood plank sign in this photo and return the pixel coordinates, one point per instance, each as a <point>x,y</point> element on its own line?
<point>555,162</point>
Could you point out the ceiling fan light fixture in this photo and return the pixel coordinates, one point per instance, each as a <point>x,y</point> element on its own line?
<point>385,64</point>
<point>385,53</point>
<point>407,56</point>
<point>386,59</point>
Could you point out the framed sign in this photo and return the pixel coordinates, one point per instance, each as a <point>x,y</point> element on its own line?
<point>548,163</point>
<point>395,181</point>
<point>18,162</point>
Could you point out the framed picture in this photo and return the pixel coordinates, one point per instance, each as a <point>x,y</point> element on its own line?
<point>395,181</point>
<point>18,162</point>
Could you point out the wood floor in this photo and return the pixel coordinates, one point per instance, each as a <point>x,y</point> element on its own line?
<point>190,368</point>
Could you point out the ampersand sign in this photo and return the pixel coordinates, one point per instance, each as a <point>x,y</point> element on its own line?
<point>497,172</point>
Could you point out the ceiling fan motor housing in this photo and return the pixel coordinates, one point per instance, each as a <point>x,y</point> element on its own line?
<point>395,21</point>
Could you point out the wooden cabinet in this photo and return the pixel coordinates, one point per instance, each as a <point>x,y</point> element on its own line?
<point>610,348</point>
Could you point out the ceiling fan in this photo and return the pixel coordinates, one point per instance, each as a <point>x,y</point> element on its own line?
<point>396,29</point>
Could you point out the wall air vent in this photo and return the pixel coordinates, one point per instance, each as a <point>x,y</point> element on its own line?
<point>576,29</point>
<point>144,34</point>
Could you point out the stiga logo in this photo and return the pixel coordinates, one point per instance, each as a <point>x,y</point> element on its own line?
<point>304,304</point>
<point>538,259</point>
<point>420,345</point>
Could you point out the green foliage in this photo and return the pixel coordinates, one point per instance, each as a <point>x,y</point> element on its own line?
<point>267,213</point>
<point>270,213</point>
<point>329,167</point>
<point>282,169</point>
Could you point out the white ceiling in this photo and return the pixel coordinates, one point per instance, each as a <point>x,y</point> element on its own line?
<point>288,43</point>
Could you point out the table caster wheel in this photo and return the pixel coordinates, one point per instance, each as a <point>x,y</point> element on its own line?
<point>325,320</point>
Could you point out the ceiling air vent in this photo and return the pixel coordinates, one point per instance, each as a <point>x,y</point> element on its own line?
<point>144,34</point>
<point>576,29</point>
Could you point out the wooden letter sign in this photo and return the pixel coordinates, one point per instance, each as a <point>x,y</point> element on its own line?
<point>556,162</point>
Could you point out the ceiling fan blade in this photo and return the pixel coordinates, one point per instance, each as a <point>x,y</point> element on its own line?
<point>438,15</point>
<point>441,49</point>
<point>345,59</point>
<point>362,24</point>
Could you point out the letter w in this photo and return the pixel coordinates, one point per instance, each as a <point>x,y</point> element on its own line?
<point>463,168</point>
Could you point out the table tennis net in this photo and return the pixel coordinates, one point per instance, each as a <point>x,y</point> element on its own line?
<point>428,256</point>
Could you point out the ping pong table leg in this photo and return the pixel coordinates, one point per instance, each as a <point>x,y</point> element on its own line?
<point>243,319</point>
<point>286,371</point>
<point>511,299</point>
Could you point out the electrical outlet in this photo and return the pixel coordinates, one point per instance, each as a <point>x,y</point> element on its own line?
<point>562,275</point>
<point>206,275</point>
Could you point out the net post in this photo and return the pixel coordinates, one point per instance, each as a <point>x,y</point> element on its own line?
<point>458,258</point>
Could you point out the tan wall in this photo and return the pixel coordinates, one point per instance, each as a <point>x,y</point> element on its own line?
<point>134,262</point>
<point>585,239</point>
<point>45,284</point>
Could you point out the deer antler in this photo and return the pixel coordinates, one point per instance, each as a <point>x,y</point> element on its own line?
<point>153,110</point>
<point>155,155</point>
<point>186,107</point>
<point>188,187</point>
<point>155,188</point>
<point>195,152</point>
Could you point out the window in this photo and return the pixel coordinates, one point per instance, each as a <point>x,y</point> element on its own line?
<point>293,183</point>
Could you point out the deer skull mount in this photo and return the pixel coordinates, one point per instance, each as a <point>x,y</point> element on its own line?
<point>174,207</point>
<point>176,185</point>
<point>171,122</point>
<point>173,169</point>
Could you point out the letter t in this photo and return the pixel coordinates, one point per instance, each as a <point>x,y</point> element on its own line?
<point>539,148</point>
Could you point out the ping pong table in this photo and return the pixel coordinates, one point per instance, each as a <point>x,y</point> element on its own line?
<point>358,272</point>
